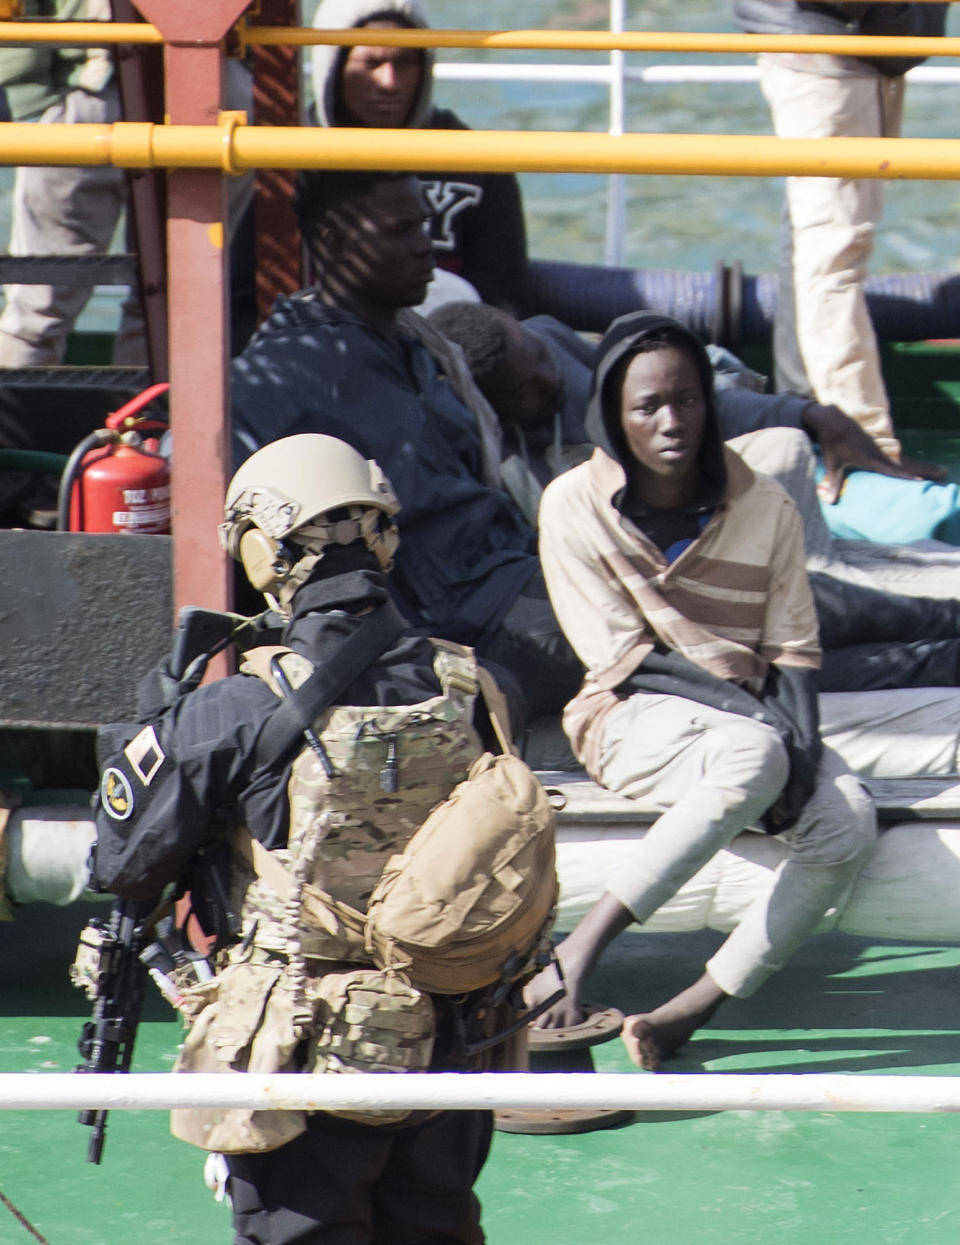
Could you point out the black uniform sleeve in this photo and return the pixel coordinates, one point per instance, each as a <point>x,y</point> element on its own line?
<point>169,785</point>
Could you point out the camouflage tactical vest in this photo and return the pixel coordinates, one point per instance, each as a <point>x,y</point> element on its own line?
<point>357,794</point>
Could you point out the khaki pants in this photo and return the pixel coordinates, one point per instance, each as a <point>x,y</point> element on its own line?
<point>832,223</point>
<point>710,774</point>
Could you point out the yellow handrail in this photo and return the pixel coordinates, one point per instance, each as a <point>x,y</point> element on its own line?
<point>234,147</point>
<point>102,34</point>
<point>82,34</point>
<point>609,41</point>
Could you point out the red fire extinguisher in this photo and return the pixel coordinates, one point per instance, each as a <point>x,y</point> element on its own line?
<point>115,481</point>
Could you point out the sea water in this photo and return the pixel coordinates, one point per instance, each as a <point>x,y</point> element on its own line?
<point>681,222</point>
<point>671,222</point>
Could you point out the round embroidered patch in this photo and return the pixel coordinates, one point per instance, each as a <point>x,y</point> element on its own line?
<point>115,794</point>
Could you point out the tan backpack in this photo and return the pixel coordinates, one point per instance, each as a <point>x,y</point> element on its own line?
<point>470,900</point>
<point>467,902</point>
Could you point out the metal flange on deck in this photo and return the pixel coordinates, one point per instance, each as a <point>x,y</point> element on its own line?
<point>567,1050</point>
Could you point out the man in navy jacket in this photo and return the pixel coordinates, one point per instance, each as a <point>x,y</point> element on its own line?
<point>347,359</point>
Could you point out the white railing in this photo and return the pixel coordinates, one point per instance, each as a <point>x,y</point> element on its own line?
<point>472,1091</point>
<point>602,75</point>
<point>614,75</point>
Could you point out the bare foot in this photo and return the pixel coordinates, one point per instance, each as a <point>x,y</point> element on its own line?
<point>650,1044</point>
<point>924,470</point>
<point>640,1039</point>
<point>651,1038</point>
<point>576,955</point>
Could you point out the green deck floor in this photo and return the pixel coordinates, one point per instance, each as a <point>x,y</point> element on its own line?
<point>711,1178</point>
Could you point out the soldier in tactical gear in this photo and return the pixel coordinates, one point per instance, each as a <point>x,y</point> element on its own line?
<point>312,523</point>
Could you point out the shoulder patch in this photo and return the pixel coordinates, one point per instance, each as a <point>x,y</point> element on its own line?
<point>115,794</point>
<point>145,755</point>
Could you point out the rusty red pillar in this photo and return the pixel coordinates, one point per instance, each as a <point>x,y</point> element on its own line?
<point>197,281</point>
<point>276,101</point>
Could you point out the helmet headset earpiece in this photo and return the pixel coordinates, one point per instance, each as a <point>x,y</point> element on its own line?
<point>267,563</point>
<point>382,537</point>
<point>294,498</point>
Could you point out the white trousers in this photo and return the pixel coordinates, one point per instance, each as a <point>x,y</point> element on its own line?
<point>710,774</point>
<point>65,211</point>
<point>832,221</point>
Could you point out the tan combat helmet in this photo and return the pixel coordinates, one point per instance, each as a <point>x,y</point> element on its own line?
<point>292,499</point>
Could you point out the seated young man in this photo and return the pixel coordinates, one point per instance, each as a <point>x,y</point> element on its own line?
<point>877,627</point>
<point>678,576</point>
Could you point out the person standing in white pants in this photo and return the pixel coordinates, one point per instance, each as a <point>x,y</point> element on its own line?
<point>831,222</point>
<point>824,342</point>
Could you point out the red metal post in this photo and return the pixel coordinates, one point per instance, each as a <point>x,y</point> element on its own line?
<point>276,101</point>
<point>197,280</point>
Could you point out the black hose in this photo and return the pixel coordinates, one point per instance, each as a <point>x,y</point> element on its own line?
<point>93,440</point>
<point>903,306</point>
<point>32,460</point>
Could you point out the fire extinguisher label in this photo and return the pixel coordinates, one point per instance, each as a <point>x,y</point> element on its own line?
<point>146,496</point>
<point>142,517</point>
<point>143,510</point>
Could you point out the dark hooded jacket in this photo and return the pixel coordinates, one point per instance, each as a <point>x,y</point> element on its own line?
<point>476,219</point>
<point>788,701</point>
<point>810,17</point>
<point>465,552</point>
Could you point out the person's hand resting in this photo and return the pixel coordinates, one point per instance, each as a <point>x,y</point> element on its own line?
<point>845,447</point>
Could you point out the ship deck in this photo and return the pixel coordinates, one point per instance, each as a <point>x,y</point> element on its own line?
<point>718,1178</point>
<point>845,1004</point>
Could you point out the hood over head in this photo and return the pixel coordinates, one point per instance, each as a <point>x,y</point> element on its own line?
<point>617,347</point>
<point>328,60</point>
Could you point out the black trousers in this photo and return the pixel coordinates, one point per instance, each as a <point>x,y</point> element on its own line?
<point>529,643</point>
<point>350,1184</point>
<point>874,639</point>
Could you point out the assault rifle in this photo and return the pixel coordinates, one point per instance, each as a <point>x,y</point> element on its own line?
<point>115,957</point>
<point>200,634</point>
<point>108,967</point>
